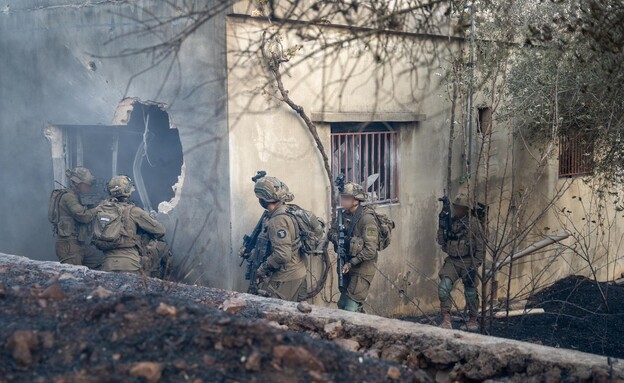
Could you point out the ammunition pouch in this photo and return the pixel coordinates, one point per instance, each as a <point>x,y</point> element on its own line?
<point>459,248</point>
<point>356,245</point>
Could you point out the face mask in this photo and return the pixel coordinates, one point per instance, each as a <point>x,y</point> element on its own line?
<point>264,204</point>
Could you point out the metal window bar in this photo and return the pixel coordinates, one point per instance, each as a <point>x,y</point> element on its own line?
<point>575,155</point>
<point>370,159</point>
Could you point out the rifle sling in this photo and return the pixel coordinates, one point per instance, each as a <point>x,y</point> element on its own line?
<point>354,220</point>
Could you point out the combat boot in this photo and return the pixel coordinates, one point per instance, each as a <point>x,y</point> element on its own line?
<point>446,320</point>
<point>472,324</point>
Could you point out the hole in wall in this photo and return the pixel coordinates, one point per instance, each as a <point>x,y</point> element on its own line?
<point>142,143</point>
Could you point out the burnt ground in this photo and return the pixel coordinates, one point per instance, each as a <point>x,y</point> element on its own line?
<point>62,329</point>
<point>577,317</point>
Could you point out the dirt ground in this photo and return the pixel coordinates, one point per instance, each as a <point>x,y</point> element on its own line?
<point>580,315</point>
<point>93,330</point>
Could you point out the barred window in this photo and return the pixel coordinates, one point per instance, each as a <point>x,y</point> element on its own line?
<point>368,154</point>
<point>575,154</point>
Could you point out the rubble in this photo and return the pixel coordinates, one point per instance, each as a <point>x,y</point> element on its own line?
<point>246,343</point>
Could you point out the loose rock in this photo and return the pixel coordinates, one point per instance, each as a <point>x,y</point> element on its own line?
<point>166,310</point>
<point>22,343</point>
<point>55,291</point>
<point>233,305</point>
<point>150,371</point>
<point>253,361</point>
<point>304,307</point>
<point>297,357</point>
<point>334,330</point>
<point>395,353</point>
<point>394,373</point>
<point>100,293</point>
<point>348,344</point>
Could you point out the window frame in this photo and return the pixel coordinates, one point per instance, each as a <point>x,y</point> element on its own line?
<point>572,148</point>
<point>369,148</point>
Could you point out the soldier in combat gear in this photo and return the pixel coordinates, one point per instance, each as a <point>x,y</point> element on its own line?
<point>464,244</point>
<point>119,226</point>
<point>72,221</point>
<point>282,272</point>
<point>361,241</point>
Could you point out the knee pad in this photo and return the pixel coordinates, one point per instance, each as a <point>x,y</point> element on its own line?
<point>444,289</point>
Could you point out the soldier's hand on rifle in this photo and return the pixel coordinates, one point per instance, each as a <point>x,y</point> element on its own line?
<point>262,273</point>
<point>346,268</point>
<point>242,253</point>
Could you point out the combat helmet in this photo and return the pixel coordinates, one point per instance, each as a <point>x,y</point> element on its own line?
<point>120,186</point>
<point>354,190</point>
<point>271,189</point>
<point>80,175</point>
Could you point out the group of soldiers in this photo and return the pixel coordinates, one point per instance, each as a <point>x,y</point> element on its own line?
<point>137,245</point>
<point>114,236</point>
<point>282,271</point>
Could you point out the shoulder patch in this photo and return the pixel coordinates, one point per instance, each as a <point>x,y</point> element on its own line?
<point>281,233</point>
<point>371,231</point>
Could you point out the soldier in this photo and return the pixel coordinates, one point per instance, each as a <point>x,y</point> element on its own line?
<point>72,221</point>
<point>282,273</point>
<point>361,240</point>
<point>465,248</point>
<point>119,226</point>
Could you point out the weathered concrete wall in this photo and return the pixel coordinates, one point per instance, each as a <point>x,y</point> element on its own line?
<point>46,79</point>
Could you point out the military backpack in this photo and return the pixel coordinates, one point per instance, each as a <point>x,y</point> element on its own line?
<point>311,229</point>
<point>384,228</point>
<point>110,231</point>
<point>54,207</point>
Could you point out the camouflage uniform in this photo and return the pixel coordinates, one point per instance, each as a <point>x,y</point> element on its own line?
<point>288,278</point>
<point>126,256</point>
<point>74,225</point>
<point>361,254</point>
<point>283,266</point>
<point>466,251</point>
<point>361,242</point>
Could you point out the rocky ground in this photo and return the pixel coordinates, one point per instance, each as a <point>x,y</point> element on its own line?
<point>57,328</point>
<point>62,323</point>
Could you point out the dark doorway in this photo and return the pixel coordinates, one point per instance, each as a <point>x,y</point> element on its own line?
<point>147,149</point>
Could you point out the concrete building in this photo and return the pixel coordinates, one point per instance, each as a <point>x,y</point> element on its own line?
<point>81,86</point>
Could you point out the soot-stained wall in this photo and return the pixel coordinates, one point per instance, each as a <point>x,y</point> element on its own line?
<point>58,69</point>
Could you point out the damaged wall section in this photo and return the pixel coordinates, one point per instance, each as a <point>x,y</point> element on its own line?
<point>62,87</point>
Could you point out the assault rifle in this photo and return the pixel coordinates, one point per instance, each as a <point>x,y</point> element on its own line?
<point>249,244</point>
<point>340,181</point>
<point>445,218</point>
